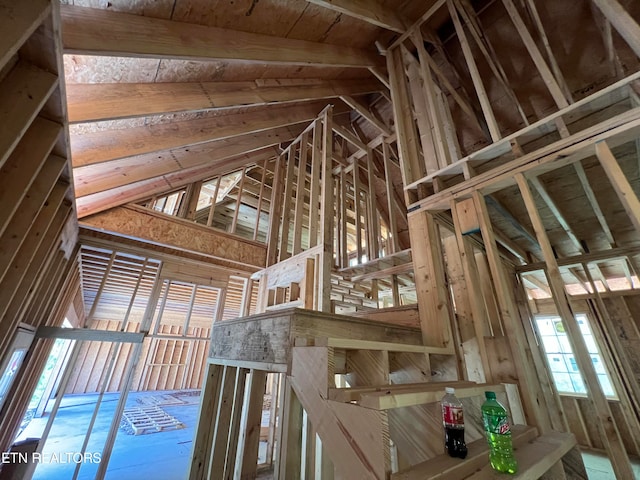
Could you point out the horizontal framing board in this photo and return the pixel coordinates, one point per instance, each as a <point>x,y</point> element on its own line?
<point>22,94</point>
<point>97,102</point>
<point>100,32</point>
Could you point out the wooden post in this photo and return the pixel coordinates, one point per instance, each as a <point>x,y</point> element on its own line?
<point>619,182</point>
<point>402,112</point>
<point>433,297</point>
<point>528,381</point>
<point>624,23</point>
<point>373,227</point>
<point>393,246</point>
<point>606,426</point>
<point>475,75</point>
<point>247,457</point>
<point>472,278</point>
<point>326,213</point>
<point>300,195</point>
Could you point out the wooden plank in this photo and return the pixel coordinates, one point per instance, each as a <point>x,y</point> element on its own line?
<point>18,21</point>
<point>366,113</point>
<point>403,115</point>
<point>419,87</point>
<point>431,290</point>
<point>152,226</point>
<point>604,420</point>
<point>93,102</point>
<point>620,183</point>
<point>90,148</point>
<point>36,209</point>
<point>325,265</point>
<point>23,165</point>
<point>283,222</point>
<point>200,454</point>
<point>24,91</point>
<point>485,104</point>
<point>444,467</point>
<point>356,439</point>
<point>393,244</point>
<point>300,194</point>
<point>314,188</point>
<point>386,400</point>
<point>534,458</point>
<point>234,425</point>
<point>222,431</point>
<point>88,31</point>
<point>373,227</point>
<point>536,56</point>
<point>291,442</point>
<point>250,425</point>
<point>623,22</point>
<point>351,344</point>
<point>372,12</point>
<point>484,44</point>
<point>513,329</point>
<point>433,9</point>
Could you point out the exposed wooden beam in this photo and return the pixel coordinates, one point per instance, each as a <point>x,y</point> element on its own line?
<point>117,173</point>
<point>475,74</point>
<point>624,23</point>
<point>603,417</point>
<point>100,201</point>
<point>89,31</point>
<point>366,113</point>
<point>620,183</point>
<point>108,101</point>
<point>418,23</point>
<point>546,74</point>
<point>113,144</point>
<point>18,20</point>
<point>370,11</point>
<point>24,92</point>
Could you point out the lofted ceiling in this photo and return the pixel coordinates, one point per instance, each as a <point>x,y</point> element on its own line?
<point>164,93</point>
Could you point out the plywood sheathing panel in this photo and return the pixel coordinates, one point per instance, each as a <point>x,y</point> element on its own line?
<point>157,228</point>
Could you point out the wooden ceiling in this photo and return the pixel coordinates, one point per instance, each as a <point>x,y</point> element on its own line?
<point>163,93</point>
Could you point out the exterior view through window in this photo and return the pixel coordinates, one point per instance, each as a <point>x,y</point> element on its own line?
<point>562,363</point>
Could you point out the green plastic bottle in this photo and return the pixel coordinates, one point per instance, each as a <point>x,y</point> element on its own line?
<point>498,431</point>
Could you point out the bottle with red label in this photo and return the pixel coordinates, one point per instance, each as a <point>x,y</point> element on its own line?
<point>453,420</point>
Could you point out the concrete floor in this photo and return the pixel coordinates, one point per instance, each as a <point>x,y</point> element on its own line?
<point>161,455</point>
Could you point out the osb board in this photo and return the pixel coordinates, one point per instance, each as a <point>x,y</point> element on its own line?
<point>267,337</point>
<point>156,228</point>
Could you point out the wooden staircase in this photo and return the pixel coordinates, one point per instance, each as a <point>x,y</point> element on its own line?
<point>376,428</point>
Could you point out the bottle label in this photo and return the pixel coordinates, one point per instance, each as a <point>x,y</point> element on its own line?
<point>496,424</point>
<point>452,415</point>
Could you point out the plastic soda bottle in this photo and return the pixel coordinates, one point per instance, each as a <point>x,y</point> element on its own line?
<point>453,420</point>
<point>498,431</point>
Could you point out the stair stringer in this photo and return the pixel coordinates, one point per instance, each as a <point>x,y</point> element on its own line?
<point>355,438</point>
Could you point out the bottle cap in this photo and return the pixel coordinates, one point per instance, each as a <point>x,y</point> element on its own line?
<point>490,395</point>
<point>449,390</point>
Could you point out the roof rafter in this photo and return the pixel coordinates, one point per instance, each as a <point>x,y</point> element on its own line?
<point>104,176</point>
<point>107,145</point>
<point>140,190</point>
<point>100,101</point>
<point>101,32</point>
<point>370,11</point>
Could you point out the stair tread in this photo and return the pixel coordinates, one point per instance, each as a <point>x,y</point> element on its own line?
<point>385,400</point>
<point>535,455</point>
<point>351,344</point>
<point>353,394</point>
